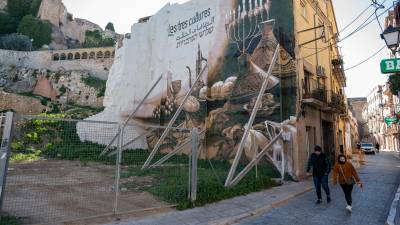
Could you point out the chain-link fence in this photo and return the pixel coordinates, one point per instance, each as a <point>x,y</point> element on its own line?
<point>78,170</point>
<point>60,170</point>
<point>213,171</point>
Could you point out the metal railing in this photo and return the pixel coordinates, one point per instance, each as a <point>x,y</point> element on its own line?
<point>314,89</point>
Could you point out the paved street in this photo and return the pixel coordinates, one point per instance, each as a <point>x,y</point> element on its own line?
<point>381,176</point>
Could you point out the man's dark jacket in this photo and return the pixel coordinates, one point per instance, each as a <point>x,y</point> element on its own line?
<point>320,165</point>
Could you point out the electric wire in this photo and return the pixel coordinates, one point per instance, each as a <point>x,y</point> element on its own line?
<point>348,25</point>
<point>366,60</point>
<point>362,26</point>
<point>355,19</point>
<point>377,7</point>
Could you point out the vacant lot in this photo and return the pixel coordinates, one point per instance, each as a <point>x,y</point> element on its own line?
<point>53,191</point>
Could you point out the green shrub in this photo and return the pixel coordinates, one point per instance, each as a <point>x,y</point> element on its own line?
<point>17,145</point>
<point>19,8</point>
<point>62,90</point>
<point>44,101</point>
<point>110,26</point>
<point>32,137</point>
<point>98,84</point>
<point>16,42</point>
<point>94,39</point>
<point>101,92</point>
<point>36,29</point>
<point>6,219</point>
<point>55,108</point>
<point>8,24</point>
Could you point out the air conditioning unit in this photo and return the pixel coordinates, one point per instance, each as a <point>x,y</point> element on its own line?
<point>321,71</point>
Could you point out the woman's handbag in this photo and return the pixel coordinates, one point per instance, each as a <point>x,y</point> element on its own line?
<point>349,181</point>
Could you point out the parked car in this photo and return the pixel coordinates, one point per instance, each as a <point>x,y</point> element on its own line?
<point>368,148</point>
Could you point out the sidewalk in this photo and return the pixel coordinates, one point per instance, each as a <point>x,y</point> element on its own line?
<point>381,177</point>
<point>394,213</point>
<point>231,210</point>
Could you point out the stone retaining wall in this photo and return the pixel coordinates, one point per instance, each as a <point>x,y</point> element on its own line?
<point>96,61</point>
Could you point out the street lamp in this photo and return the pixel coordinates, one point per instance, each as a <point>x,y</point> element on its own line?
<point>391,35</point>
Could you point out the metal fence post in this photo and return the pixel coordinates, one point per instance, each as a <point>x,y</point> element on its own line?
<point>5,154</point>
<point>118,166</point>
<point>193,171</point>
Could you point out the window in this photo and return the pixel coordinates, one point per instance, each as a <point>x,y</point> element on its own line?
<point>70,56</point>
<point>107,54</point>
<point>99,55</point>
<point>84,55</point>
<point>56,57</point>
<point>92,55</point>
<point>77,55</point>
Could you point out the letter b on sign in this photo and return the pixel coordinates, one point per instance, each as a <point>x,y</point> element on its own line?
<point>390,66</point>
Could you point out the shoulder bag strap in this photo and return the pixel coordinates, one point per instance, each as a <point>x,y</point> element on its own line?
<point>341,169</point>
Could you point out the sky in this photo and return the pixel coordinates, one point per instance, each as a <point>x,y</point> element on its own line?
<point>360,80</point>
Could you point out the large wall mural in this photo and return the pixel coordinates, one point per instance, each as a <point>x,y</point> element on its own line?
<point>223,43</point>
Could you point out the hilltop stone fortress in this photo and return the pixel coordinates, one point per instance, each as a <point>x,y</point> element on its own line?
<point>63,64</point>
<point>64,53</point>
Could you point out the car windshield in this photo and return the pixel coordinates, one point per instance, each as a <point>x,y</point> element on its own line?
<point>366,145</point>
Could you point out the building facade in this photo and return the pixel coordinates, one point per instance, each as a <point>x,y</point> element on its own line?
<point>380,106</point>
<point>356,106</point>
<point>321,79</point>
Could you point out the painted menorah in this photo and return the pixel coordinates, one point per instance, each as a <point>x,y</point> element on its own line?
<point>242,24</point>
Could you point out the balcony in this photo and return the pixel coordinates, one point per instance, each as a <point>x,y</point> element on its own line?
<point>314,93</point>
<point>338,103</point>
<point>338,70</point>
<point>393,129</point>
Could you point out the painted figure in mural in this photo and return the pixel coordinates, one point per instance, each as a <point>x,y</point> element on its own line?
<point>321,167</point>
<point>346,175</point>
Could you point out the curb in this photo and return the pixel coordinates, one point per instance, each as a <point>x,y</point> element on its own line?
<point>393,208</point>
<point>261,210</point>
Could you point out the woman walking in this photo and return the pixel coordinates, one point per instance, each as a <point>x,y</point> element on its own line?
<point>346,175</point>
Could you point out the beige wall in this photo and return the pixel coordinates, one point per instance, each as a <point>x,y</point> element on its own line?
<point>310,14</point>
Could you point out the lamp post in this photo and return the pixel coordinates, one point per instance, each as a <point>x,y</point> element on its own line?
<point>391,35</point>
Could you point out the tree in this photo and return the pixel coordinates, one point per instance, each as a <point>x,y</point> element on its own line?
<point>110,26</point>
<point>15,42</point>
<point>36,29</point>
<point>94,39</point>
<point>394,81</point>
<point>35,5</point>
<point>8,24</point>
<point>19,8</point>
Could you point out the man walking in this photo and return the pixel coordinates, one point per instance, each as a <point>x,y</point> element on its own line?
<point>377,146</point>
<point>321,167</point>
